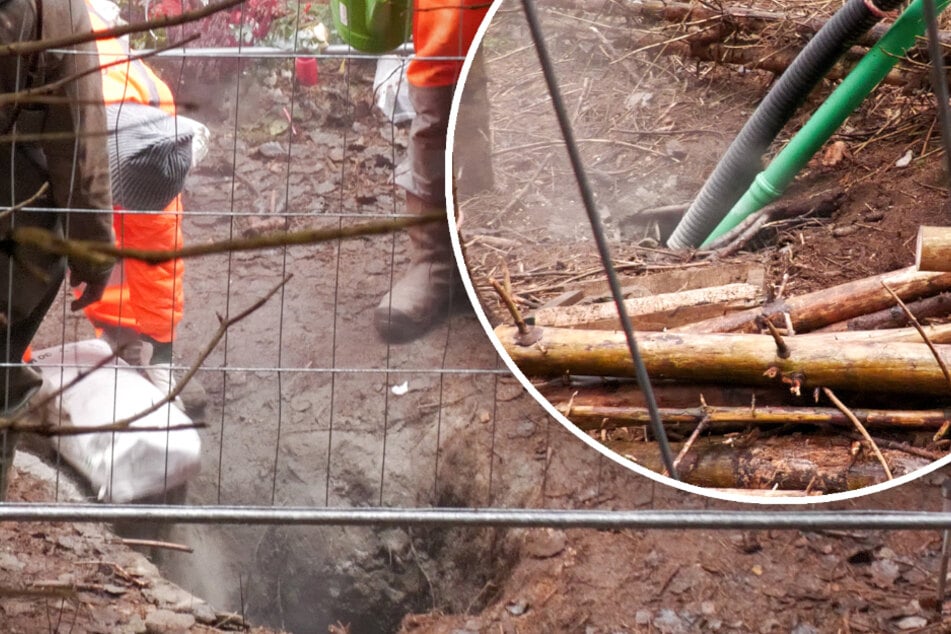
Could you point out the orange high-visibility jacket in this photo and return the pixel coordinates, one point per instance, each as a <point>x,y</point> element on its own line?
<point>442,28</point>
<point>146,298</point>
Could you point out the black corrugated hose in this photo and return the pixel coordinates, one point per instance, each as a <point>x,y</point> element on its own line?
<point>741,163</point>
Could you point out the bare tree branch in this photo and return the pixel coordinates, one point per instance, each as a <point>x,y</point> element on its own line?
<point>25,48</point>
<point>104,254</point>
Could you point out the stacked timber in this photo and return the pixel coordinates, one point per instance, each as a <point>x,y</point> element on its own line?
<point>824,392</point>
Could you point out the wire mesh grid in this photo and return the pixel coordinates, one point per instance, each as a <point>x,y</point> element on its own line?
<point>311,417</point>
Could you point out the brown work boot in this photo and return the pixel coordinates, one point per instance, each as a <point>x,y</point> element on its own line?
<point>421,298</point>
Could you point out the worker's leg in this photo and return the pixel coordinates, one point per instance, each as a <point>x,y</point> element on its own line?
<point>25,300</point>
<point>421,297</point>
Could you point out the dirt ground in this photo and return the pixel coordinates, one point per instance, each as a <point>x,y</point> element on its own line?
<point>302,410</point>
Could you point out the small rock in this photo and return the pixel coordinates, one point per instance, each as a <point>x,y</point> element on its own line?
<point>884,572</point>
<point>133,625</point>
<point>168,622</point>
<point>545,543</point>
<point>642,617</point>
<point>165,594</point>
<point>301,404</point>
<point>905,160</point>
<point>708,608</point>
<point>271,149</point>
<point>517,608</point>
<point>10,562</point>
<point>653,559</point>
<point>844,230</point>
<point>669,622</point>
<point>676,150</point>
<point>638,99</point>
<point>525,429</point>
<point>324,187</point>
<point>912,623</point>
<point>204,613</point>
<point>804,628</point>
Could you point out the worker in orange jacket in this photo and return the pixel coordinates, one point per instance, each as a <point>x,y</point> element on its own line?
<point>443,30</point>
<point>143,304</point>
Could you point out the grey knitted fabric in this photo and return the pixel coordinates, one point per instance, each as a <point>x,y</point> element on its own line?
<point>150,153</point>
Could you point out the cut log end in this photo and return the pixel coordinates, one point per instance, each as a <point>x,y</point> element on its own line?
<point>933,249</point>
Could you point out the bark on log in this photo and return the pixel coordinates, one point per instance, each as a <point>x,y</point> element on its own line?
<point>895,317</point>
<point>838,303</point>
<point>674,395</point>
<point>655,312</point>
<point>826,465</point>
<point>595,417</point>
<point>732,358</point>
<point>933,250</point>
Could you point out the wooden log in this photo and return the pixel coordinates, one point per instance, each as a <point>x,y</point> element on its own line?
<point>838,303</point>
<point>938,333</point>
<point>597,417</point>
<point>673,395</point>
<point>895,317</point>
<point>933,249</point>
<point>675,280</point>
<point>826,464</point>
<point>655,312</point>
<point>732,358</point>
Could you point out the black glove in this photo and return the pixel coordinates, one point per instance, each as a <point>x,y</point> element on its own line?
<point>95,286</point>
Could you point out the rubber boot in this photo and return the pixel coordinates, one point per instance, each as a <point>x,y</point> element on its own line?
<point>421,298</point>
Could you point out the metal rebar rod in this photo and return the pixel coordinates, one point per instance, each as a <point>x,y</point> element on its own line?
<point>482,517</point>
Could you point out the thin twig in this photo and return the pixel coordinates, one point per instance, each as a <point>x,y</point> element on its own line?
<point>6,213</point>
<point>151,543</point>
<point>124,424</point>
<point>858,425</point>
<point>510,305</point>
<point>914,322</point>
<point>224,324</point>
<point>11,423</point>
<point>24,96</point>
<point>25,48</point>
<point>701,426</point>
<point>782,350</point>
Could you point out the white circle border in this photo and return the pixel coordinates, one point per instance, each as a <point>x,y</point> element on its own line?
<point>546,404</point>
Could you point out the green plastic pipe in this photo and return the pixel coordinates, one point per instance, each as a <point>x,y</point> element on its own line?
<point>867,74</point>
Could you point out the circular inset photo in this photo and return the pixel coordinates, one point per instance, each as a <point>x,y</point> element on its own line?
<point>762,205</point>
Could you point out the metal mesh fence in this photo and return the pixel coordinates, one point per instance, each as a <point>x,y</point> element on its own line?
<point>311,418</point>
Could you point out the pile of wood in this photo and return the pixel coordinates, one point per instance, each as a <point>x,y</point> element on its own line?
<point>824,392</point>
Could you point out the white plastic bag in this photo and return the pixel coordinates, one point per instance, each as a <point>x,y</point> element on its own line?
<point>392,89</point>
<point>122,466</point>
